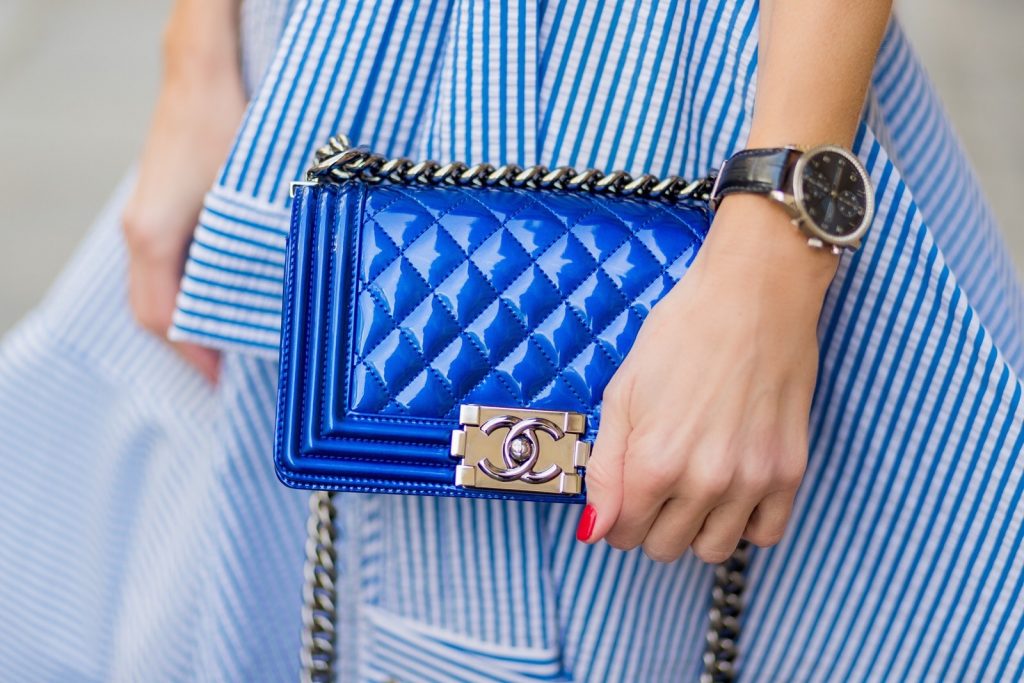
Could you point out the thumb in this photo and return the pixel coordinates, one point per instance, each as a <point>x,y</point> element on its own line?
<point>604,471</point>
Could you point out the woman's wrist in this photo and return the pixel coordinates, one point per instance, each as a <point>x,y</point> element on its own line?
<point>757,237</point>
<point>805,131</point>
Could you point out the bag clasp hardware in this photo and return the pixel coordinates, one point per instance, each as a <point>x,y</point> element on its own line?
<point>514,449</point>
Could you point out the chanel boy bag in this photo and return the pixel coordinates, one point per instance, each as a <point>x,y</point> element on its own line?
<point>449,330</point>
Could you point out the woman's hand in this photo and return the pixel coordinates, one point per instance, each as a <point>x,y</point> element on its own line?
<point>200,105</point>
<point>703,435</point>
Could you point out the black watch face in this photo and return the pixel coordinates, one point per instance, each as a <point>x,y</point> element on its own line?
<point>833,193</point>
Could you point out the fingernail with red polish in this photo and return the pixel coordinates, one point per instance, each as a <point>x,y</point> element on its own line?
<point>586,526</point>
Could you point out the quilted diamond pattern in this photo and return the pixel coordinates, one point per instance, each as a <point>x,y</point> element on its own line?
<point>504,296</point>
<point>402,302</point>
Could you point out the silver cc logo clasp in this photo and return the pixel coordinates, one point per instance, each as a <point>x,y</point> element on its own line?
<point>541,451</point>
<point>520,450</point>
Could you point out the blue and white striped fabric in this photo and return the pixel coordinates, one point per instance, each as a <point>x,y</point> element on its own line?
<point>145,536</point>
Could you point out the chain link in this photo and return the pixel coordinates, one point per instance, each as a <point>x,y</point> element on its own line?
<point>338,161</point>
<point>723,634</point>
<point>319,592</point>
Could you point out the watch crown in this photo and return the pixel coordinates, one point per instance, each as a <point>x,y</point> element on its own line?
<point>815,242</point>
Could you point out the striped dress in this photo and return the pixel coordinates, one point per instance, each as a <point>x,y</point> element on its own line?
<point>145,537</point>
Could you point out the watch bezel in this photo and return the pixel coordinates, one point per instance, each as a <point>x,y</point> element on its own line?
<point>807,223</point>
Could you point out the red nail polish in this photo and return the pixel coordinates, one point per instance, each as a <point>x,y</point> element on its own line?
<point>586,526</point>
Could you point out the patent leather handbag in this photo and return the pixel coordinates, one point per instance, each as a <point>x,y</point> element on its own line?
<point>449,330</point>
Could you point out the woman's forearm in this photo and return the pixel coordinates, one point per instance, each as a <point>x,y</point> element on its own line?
<point>201,38</point>
<point>814,69</point>
<point>200,103</point>
<point>815,64</point>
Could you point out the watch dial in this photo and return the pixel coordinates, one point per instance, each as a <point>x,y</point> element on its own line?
<point>834,193</point>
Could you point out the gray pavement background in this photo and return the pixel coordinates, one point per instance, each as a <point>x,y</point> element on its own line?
<point>78,77</point>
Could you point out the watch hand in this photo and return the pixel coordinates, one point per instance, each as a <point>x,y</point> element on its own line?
<point>819,182</point>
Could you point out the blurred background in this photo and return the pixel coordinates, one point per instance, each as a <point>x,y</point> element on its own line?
<point>77,80</point>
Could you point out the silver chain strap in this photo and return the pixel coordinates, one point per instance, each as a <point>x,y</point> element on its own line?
<point>319,591</point>
<point>723,634</point>
<point>319,617</point>
<point>338,161</point>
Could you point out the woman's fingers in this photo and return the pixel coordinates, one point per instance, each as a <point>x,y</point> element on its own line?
<point>722,530</point>
<point>206,361</point>
<point>152,287</point>
<point>768,522</point>
<point>648,486</point>
<point>604,471</point>
<point>711,529</point>
<point>709,508</point>
<point>674,529</point>
<point>639,510</point>
<point>154,275</point>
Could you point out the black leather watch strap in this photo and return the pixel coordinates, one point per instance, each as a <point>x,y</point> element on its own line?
<point>759,171</point>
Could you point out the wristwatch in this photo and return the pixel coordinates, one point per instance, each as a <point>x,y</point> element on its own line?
<point>825,190</point>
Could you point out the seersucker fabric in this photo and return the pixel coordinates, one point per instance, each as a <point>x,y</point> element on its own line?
<point>145,536</point>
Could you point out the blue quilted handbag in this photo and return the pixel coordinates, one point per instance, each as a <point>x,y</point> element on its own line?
<point>449,330</point>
